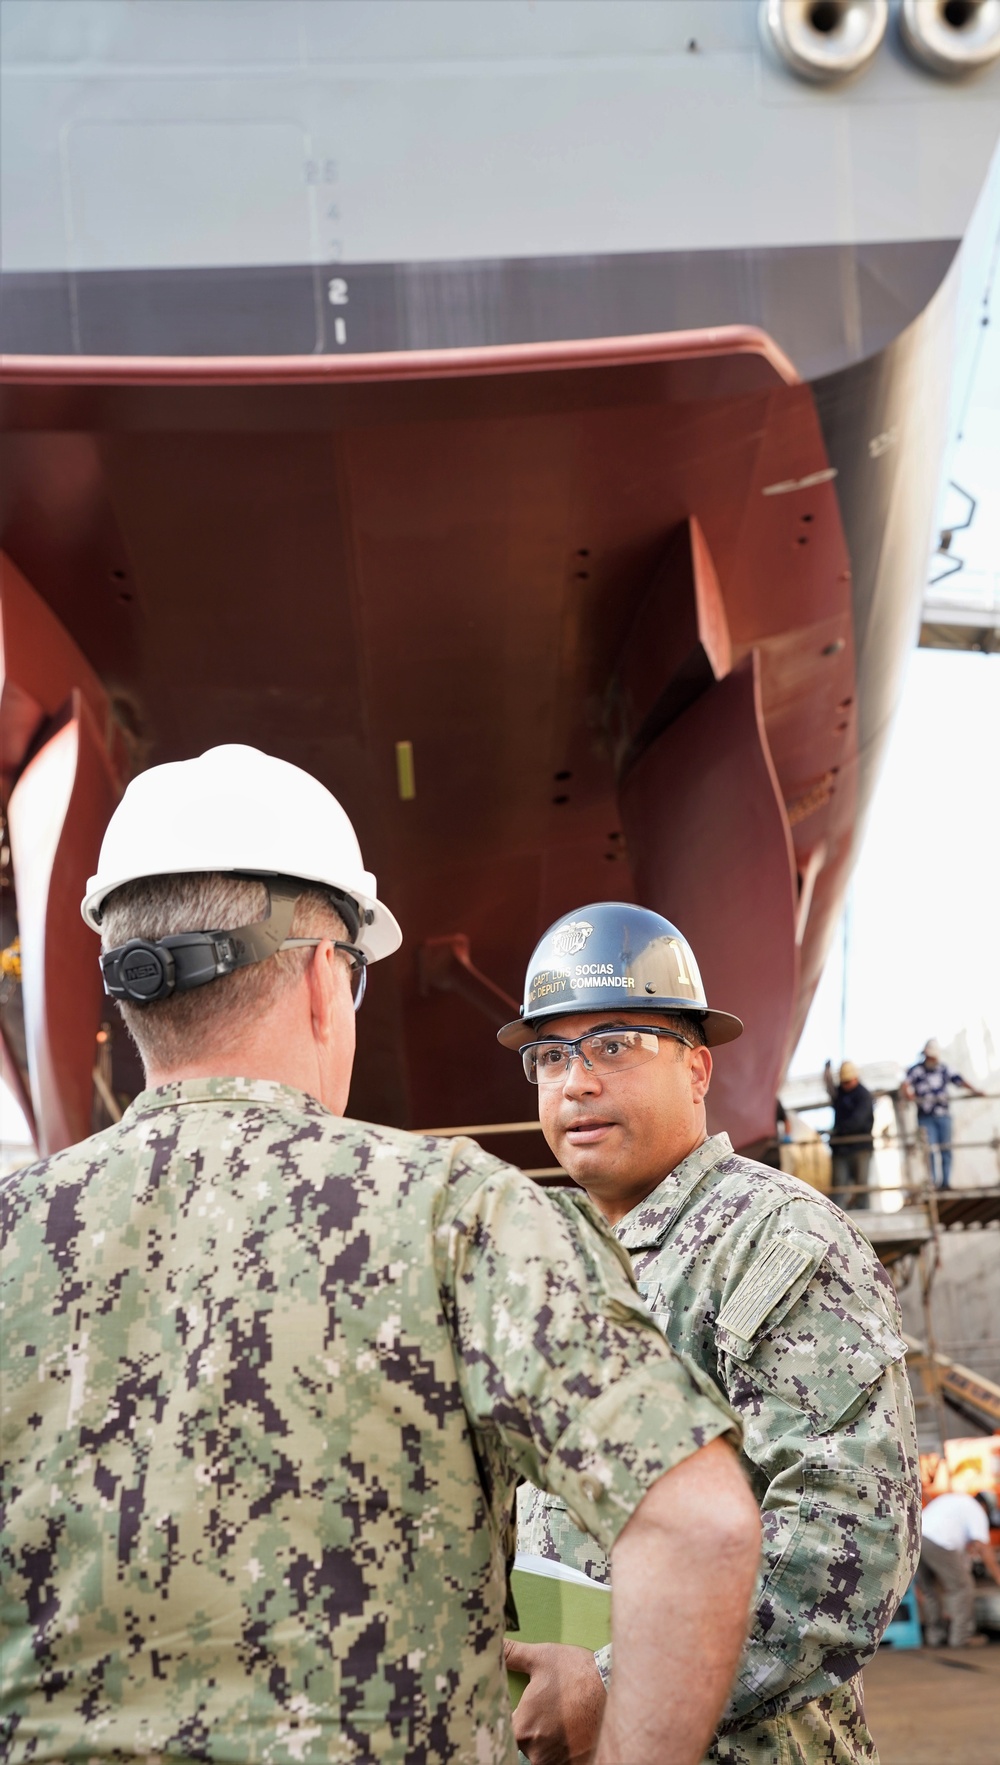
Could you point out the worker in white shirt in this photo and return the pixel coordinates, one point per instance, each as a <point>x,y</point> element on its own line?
<point>956,1528</point>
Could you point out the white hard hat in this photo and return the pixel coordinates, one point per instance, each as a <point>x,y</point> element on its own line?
<point>236,810</point>
<point>933,1048</point>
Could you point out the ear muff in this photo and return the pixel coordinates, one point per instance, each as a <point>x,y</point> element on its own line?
<point>147,969</point>
<point>139,971</point>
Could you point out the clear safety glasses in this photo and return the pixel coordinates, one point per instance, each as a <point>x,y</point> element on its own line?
<point>605,1052</point>
<point>357,959</point>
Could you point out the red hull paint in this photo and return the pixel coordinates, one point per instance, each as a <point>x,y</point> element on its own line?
<point>704,819</point>
<point>725,341</point>
<point>454,549</point>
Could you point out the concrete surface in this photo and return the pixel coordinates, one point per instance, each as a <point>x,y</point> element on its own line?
<point>935,1706</point>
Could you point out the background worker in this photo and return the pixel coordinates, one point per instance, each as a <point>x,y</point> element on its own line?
<point>780,1305</point>
<point>927,1083</point>
<point>956,1530</point>
<point>270,1376</point>
<point>851,1143</point>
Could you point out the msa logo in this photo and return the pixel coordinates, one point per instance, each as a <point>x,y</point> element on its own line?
<point>570,939</point>
<point>140,971</point>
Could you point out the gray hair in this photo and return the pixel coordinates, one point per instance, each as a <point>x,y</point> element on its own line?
<point>209,1019</point>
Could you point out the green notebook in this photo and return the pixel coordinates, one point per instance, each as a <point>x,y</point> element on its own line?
<point>556,1604</point>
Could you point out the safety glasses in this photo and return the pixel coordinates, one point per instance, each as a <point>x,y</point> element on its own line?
<point>605,1052</point>
<point>357,959</point>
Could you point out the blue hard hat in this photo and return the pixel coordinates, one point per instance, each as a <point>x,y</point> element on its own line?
<point>618,957</point>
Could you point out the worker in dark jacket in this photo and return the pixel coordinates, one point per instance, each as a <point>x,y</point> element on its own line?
<point>851,1143</point>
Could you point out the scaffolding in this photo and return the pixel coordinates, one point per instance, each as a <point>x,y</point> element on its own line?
<point>964,615</point>
<point>905,1223</point>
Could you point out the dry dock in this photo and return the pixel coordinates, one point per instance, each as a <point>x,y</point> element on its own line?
<point>935,1706</point>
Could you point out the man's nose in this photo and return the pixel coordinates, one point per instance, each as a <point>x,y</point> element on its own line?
<point>581,1078</point>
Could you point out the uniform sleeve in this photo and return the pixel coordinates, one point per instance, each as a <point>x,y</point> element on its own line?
<point>557,1357</point>
<point>812,1361</point>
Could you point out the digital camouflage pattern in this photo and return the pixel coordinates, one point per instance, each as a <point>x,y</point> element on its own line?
<point>773,1293</point>
<point>269,1378</point>
<point>831,1729</point>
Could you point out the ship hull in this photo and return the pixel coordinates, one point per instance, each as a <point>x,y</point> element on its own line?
<point>549,396</point>
<point>510,558</point>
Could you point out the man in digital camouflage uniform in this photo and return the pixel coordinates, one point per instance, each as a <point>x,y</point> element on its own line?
<point>270,1376</point>
<point>772,1293</point>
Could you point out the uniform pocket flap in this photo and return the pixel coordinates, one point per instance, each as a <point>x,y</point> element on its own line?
<point>819,1358</point>
<point>767,1290</point>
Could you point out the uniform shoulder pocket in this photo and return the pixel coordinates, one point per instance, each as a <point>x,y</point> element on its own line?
<point>796,1337</point>
<point>768,1289</point>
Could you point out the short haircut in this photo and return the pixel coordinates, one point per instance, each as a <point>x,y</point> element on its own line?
<point>688,1024</point>
<point>209,1019</point>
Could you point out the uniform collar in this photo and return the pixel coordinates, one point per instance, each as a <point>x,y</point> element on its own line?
<point>265,1092</point>
<point>648,1223</point>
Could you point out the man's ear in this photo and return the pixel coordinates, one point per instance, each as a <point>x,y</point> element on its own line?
<point>321,977</point>
<point>701,1072</point>
<point>332,1025</point>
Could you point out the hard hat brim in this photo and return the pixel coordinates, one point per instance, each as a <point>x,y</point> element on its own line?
<point>719,1026</point>
<point>381,938</point>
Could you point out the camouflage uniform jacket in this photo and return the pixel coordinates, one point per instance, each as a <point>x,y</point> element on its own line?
<point>773,1293</point>
<point>269,1380</point>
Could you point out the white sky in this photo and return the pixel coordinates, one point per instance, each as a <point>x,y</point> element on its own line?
<point>923,942</point>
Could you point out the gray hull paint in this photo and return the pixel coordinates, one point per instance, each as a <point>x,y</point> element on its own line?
<point>825,305</point>
<point>884,421</point>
